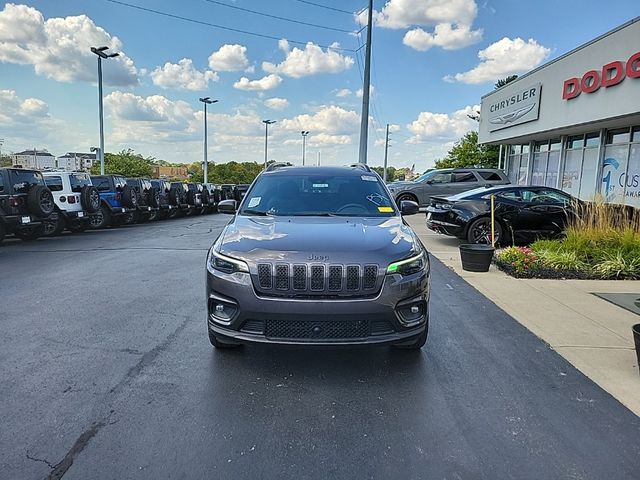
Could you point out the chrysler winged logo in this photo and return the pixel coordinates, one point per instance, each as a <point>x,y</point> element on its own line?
<point>512,116</point>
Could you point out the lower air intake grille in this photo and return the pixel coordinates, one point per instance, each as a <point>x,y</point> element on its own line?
<point>300,329</point>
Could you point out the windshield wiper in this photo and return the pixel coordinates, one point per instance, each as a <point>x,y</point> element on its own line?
<point>255,212</point>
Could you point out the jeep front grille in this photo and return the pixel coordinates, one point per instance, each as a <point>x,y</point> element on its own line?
<point>314,280</point>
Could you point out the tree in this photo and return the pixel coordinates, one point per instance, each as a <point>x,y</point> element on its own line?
<point>125,163</point>
<point>5,161</point>
<point>503,81</point>
<point>391,172</point>
<point>468,153</point>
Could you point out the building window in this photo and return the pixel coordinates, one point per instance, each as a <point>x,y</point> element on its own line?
<point>518,164</point>
<point>620,180</point>
<point>546,163</point>
<point>580,165</point>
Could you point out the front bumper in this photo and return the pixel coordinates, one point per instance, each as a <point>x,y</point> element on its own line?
<point>372,320</point>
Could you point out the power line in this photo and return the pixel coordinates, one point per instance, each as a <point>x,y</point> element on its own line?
<point>325,6</point>
<point>277,17</point>
<point>222,27</point>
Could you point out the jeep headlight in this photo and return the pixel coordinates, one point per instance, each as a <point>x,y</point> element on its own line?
<point>225,264</point>
<point>409,265</point>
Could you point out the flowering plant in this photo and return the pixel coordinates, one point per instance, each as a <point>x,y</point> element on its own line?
<point>521,259</point>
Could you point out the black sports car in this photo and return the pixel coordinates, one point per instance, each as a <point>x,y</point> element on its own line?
<point>523,214</point>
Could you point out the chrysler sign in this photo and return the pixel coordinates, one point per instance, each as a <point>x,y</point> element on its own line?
<point>521,107</point>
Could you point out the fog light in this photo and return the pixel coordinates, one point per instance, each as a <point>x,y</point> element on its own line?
<point>221,311</point>
<point>412,313</point>
<point>415,309</point>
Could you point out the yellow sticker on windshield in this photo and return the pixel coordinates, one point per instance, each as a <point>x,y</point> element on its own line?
<point>385,209</point>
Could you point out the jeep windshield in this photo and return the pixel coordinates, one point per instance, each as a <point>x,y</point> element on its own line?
<point>79,180</point>
<point>319,195</point>
<point>23,179</point>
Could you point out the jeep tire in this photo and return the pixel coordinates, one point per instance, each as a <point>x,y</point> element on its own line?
<point>40,201</point>
<point>53,229</point>
<point>101,219</point>
<point>129,197</point>
<point>90,198</point>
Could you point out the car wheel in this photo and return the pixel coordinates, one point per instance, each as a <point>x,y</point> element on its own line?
<point>101,219</point>
<point>480,231</point>
<point>216,342</point>
<point>418,343</point>
<point>31,234</point>
<point>405,196</point>
<point>54,229</point>
<point>40,201</point>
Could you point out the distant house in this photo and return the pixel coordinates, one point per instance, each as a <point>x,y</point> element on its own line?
<point>179,173</point>
<point>76,161</point>
<point>36,159</point>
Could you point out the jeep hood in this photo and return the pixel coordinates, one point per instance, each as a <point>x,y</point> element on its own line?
<point>318,239</point>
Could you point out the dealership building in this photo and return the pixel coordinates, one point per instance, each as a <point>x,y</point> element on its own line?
<point>574,123</point>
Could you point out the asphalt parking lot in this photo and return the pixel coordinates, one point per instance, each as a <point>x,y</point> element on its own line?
<point>107,373</point>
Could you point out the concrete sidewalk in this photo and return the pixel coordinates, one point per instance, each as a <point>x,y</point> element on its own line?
<point>591,333</point>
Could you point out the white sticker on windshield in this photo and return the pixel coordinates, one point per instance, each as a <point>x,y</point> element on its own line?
<point>369,178</point>
<point>320,185</point>
<point>254,202</point>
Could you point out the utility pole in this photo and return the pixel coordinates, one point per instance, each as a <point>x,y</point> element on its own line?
<point>205,167</point>
<point>1,142</point>
<point>100,52</point>
<point>318,157</point>
<point>266,138</point>
<point>386,151</point>
<point>364,119</point>
<point>304,134</point>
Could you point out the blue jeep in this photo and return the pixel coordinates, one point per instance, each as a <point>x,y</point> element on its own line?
<point>117,199</point>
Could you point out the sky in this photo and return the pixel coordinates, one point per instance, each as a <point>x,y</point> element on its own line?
<point>297,62</point>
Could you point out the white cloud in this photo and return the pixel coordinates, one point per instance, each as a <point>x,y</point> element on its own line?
<point>451,21</point>
<point>310,61</point>
<point>265,83</point>
<point>503,58</point>
<point>276,103</point>
<point>59,48</point>
<point>343,92</point>
<point>444,35</point>
<point>431,125</point>
<point>329,119</point>
<point>25,112</point>
<point>183,75</point>
<point>229,58</point>
<point>155,108</point>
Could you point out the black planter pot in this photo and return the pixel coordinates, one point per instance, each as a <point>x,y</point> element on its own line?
<point>476,257</point>
<point>636,339</point>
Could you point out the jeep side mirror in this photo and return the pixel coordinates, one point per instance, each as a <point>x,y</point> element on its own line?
<point>228,206</point>
<point>429,182</point>
<point>408,207</point>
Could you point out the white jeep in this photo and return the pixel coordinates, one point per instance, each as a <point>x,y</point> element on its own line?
<point>76,200</point>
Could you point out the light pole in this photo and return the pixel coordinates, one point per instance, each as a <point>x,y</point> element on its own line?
<point>266,137</point>
<point>206,101</point>
<point>304,134</point>
<point>100,52</point>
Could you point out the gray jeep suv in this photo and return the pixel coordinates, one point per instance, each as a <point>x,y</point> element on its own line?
<point>318,256</point>
<point>446,182</point>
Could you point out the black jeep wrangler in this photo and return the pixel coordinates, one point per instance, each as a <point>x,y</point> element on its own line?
<point>26,203</point>
<point>148,201</point>
<point>178,196</point>
<point>168,209</point>
<point>117,199</point>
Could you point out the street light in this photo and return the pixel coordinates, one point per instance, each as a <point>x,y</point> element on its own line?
<point>266,137</point>
<point>304,134</point>
<point>206,101</point>
<point>101,53</point>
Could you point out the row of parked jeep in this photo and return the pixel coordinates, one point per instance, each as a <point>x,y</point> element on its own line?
<point>35,204</point>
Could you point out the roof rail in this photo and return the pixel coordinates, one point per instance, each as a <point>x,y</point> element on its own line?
<point>361,166</point>
<point>277,165</point>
